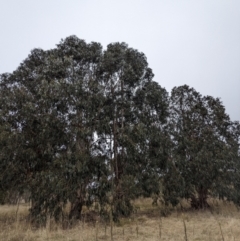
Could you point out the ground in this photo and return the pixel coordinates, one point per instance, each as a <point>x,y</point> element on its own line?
<point>221,222</point>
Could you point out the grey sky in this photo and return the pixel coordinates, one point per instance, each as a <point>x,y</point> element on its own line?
<point>193,42</point>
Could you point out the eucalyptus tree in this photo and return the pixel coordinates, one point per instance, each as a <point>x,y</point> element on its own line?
<point>79,123</point>
<point>84,100</point>
<point>134,105</point>
<point>234,173</point>
<point>48,111</point>
<point>8,144</point>
<point>152,113</point>
<point>202,153</point>
<point>30,110</point>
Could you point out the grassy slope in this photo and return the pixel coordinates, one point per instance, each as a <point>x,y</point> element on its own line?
<point>221,223</point>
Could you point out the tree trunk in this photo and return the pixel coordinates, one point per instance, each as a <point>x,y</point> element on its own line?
<point>76,209</point>
<point>200,202</point>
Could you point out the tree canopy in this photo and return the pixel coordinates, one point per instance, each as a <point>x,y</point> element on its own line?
<point>80,124</point>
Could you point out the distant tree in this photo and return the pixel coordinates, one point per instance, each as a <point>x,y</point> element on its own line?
<point>234,173</point>
<point>202,155</point>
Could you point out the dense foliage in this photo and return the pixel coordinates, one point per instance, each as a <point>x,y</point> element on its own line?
<point>81,125</point>
<point>205,146</point>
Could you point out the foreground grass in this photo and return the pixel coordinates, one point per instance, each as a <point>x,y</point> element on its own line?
<point>222,222</point>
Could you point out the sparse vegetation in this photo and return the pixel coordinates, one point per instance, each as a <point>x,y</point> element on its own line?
<point>222,221</point>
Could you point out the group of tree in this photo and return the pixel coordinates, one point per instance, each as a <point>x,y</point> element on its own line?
<point>83,125</point>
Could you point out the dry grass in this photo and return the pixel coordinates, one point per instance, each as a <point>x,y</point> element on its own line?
<point>221,223</point>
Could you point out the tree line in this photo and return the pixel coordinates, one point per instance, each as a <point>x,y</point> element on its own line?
<point>83,125</point>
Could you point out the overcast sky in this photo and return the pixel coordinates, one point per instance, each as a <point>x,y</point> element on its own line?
<point>193,42</point>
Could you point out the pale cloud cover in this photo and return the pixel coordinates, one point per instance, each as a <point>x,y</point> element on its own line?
<point>193,42</point>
